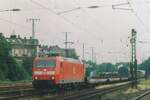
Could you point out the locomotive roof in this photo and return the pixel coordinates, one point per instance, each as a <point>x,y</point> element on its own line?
<point>62,58</point>
<point>72,60</point>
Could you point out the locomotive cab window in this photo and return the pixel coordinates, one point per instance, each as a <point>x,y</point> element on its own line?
<point>45,63</point>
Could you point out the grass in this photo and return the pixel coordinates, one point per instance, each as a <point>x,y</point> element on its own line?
<point>143,85</point>
<point>13,82</point>
<point>129,93</point>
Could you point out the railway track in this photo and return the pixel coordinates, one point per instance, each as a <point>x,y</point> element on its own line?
<point>22,93</point>
<point>14,94</point>
<point>6,87</point>
<point>141,96</point>
<point>14,91</point>
<point>69,95</point>
<point>89,93</point>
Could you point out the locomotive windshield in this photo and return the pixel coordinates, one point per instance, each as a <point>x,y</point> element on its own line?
<point>45,63</point>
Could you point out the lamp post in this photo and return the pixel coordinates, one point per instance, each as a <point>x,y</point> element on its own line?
<point>133,64</point>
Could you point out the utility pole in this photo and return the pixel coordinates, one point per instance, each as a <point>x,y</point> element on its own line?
<point>66,44</point>
<point>83,53</point>
<point>66,41</point>
<point>92,54</point>
<point>33,20</point>
<point>101,50</point>
<point>133,63</point>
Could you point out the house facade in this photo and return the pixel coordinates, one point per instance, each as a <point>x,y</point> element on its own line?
<point>22,48</point>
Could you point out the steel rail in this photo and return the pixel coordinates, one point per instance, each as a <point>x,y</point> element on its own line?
<point>22,93</point>
<point>88,93</point>
<point>91,94</point>
<point>100,93</point>
<point>12,94</point>
<point>75,95</point>
<point>142,95</point>
<point>15,86</point>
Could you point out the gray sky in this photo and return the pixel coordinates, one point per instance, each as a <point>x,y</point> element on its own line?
<point>105,29</point>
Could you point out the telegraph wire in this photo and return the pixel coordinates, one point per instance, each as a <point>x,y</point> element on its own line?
<point>86,7</point>
<point>57,15</point>
<point>66,11</point>
<point>138,18</point>
<point>70,22</point>
<point>133,11</point>
<point>10,22</point>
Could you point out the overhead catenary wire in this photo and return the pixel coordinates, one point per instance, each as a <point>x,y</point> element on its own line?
<point>86,12</point>
<point>138,18</point>
<point>11,22</point>
<point>133,11</point>
<point>59,13</point>
<point>70,22</point>
<point>98,6</point>
<point>62,17</point>
<point>81,8</point>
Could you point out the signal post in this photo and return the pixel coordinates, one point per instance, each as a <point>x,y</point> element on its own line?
<point>133,63</point>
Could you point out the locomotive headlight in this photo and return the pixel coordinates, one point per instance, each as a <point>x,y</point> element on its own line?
<point>45,70</point>
<point>50,72</point>
<point>53,77</point>
<point>36,78</point>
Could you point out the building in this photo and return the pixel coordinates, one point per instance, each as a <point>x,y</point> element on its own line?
<point>22,48</point>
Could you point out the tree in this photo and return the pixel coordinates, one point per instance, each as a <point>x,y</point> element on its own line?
<point>15,72</point>
<point>9,69</point>
<point>4,53</point>
<point>106,67</point>
<point>145,66</point>
<point>27,65</point>
<point>123,72</point>
<point>99,68</point>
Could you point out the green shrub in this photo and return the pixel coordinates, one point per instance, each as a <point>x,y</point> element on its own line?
<point>9,69</point>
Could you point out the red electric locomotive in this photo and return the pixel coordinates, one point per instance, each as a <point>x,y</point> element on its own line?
<point>57,71</point>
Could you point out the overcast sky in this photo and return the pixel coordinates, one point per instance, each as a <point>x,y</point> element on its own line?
<point>105,29</point>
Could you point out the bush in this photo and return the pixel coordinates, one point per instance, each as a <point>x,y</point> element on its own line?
<point>145,66</point>
<point>16,72</point>
<point>2,77</point>
<point>9,69</point>
<point>27,65</point>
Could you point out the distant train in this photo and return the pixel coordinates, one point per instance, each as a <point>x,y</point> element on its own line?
<point>141,74</point>
<point>121,75</point>
<point>106,77</point>
<point>56,71</point>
